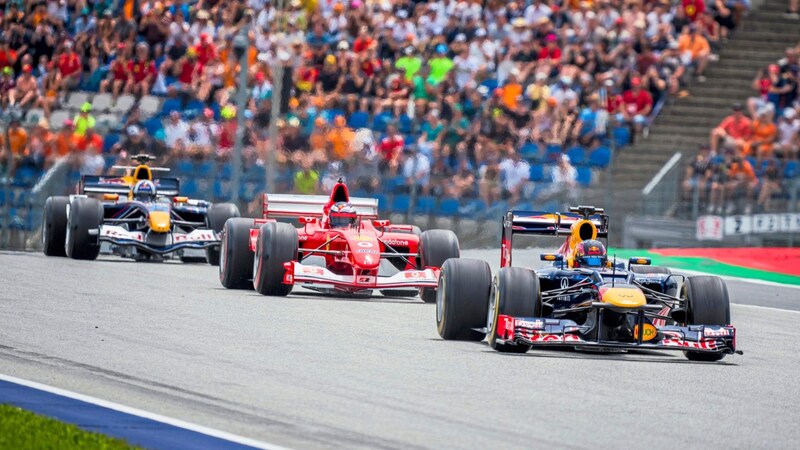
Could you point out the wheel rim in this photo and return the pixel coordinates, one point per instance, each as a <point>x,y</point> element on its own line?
<point>440,298</point>
<point>69,230</point>
<point>223,247</point>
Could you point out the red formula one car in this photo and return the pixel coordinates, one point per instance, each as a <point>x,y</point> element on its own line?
<point>341,247</point>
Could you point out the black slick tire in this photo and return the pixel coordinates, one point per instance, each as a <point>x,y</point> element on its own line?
<point>236,259</point>
<point>216,217</point>
<point>461,299</point>
<point>707,303</point>
<point>83,223</point>
<point>277,245</point>
<point>515,292</point>
<point>54,226</point>
<point>436,247</point>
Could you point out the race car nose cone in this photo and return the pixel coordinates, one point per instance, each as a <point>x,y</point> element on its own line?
<point>159,221</point>
<point>624,297</point>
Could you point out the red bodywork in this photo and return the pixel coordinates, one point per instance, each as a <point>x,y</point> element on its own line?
<point>352,256</point>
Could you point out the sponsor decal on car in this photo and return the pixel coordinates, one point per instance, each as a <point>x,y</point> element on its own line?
<point>703,345</point>
<point>416,274</point>
<point>649,332</point>
<point>533,324</point>
<point>312,270</point>
<point>365,244</point>
<point>716,332</point>
<point>399,242</point>
<point>364,279</point>
<point>367,250</point>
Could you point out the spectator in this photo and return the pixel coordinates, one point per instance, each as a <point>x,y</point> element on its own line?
<point>7,84</point>
<point>636,106</point>
<point>793,11</point>
<point>788,140</point>
<point>762,136</point>
<point>15,142</point>
<point>69,67</point>
<point>515,173</point>
<point>118,75</point>
<point>306,180</point>
<point>416,171</point>
<point>141,71</point>
<point>176,130</point>
<point>92,162</point>
<point>84,119</point>
<point>25,90</point>
<point>390,148</point>
<point>733,131</point>
<point>697,176</point>
<point>489,184</point>
<point>565,181</point>
<point>695,50</point>
<point>770,185</point>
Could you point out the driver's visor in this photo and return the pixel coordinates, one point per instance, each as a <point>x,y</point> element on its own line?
<point>593,261</point>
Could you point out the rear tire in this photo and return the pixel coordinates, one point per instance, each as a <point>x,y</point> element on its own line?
<point>277,245</point>
<point>215,219</point>
<point>707,303</point>
<point>54,226</point>
<point>236,259</point>
<point>85,216</point>
<point>436,247</point>
<point>515,292</point>
<point>461,299</point>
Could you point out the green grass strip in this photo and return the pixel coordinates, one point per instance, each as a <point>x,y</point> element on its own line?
<point>24,430</point>
<point>707,265</point>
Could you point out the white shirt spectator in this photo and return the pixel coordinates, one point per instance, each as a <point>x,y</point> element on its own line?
<point>535,12</point>
<point>514,173</point>
<point>403,29</point>
<point>564,176</point>
<point>564,95</point>
<point>93,164</point>
<point>203,132</point>
<point>788,129</point>
<point>175,131</point>
<point>418,167</point>
<point>465,68</point>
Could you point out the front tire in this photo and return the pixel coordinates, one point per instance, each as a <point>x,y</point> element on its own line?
<point>83,225</point>
<point>54,226</point>
<point>436,247</point>
<point>461,299</point>
<point>515,292</point>
<point>236,259</point>
<point>277,245</point>
<point>217,216</point>
<point>707,303</point>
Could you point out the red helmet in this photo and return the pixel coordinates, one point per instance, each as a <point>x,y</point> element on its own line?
<point>590,253</point>
<point>343,215</point>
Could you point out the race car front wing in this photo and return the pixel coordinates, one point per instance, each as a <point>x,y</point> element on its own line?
<point>159,243</point>
<point>300,274</point>
<point>540,331</point>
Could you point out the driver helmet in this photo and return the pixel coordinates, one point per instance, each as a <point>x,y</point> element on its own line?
<point>144,191</point>
<point>343,215</point>
<point>590,253</point>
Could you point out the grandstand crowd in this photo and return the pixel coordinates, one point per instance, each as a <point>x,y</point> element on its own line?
<point>751,161</point>
<point>483,99</point>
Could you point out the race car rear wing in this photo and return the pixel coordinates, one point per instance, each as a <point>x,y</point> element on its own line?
<point>543,223</point>
<point>93,184</point>
<point>293,206</point>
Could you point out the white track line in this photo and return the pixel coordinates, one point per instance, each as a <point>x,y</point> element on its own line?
<point>147,415</point>
<point>768,308</point>
<point>744,280</point>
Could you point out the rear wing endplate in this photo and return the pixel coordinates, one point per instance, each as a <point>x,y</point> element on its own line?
<point>293,206</point>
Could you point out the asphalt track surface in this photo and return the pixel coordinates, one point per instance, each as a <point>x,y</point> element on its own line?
<point>309,371</point>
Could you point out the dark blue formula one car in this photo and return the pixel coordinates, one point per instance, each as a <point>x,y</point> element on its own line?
<point>584,299</point>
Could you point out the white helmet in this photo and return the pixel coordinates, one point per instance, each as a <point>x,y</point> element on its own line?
<point>144,191</point>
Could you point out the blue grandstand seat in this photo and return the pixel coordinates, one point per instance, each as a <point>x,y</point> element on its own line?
<point>400,203</point>
<point>472,208</point>
<point>26,176</point>
<point>622,136</point>
<point>204,169</point>
<point>359,119</point>
<point>169,105</point>
<point>152,125</point>
<point>184,167</point>
<point>109,160</point>
<point>225,172</point>
<point>222,190</point>
<point>110,141</point>
<point>383,202</point>
<point>449,207</point>
<point>395,182</point>
<point>425,204</point>
<point>529,151</point>
<point>584,176</point>
<point>600,157</point>
<point>553,152</point>
<point>537,172</point>
<point>380,121</point>
<point>405,125</point>
<point>190,188</point>
<point>790,170</point>
<point>577,155</point>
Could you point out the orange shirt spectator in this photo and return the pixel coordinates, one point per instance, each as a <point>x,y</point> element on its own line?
<point>694,43</point>
<point>511,93</point>
<point>339,138</point>
<point>17,139</point>
<point>742,169</point>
